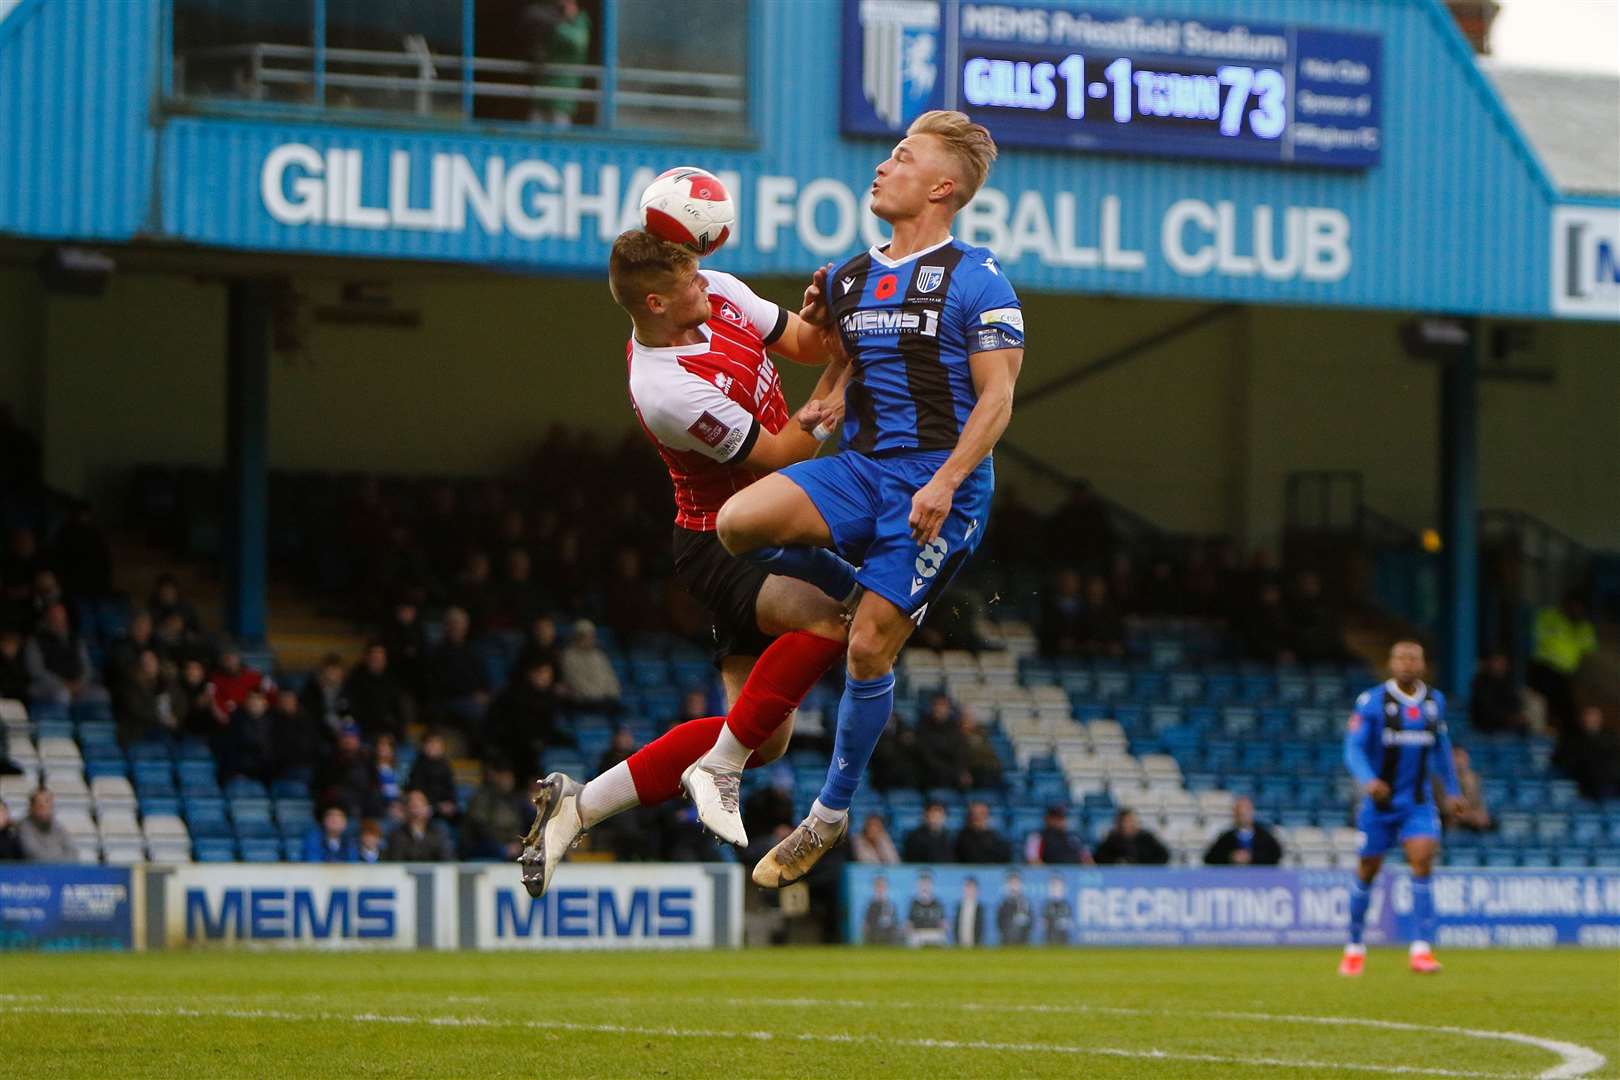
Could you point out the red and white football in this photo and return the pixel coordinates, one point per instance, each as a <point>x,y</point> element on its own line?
<point>689,206</point>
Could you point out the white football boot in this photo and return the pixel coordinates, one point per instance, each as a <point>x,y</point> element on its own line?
<point>715,793</point>
<point>556,828</point>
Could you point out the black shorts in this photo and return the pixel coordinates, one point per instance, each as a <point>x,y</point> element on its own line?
<point>727,587</point>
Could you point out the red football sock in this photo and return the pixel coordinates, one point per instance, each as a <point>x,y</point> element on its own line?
<point>657,767</point>
<point>782,675</point>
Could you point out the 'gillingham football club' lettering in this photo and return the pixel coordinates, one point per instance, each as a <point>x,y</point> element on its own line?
<point>533,199</point>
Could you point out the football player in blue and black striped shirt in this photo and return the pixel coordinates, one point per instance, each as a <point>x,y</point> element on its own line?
<point>1396,745</point>
<point>934,337</point>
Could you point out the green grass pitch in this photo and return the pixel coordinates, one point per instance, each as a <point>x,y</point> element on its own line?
<point>807,1013</point>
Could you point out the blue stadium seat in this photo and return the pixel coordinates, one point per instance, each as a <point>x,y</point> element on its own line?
<point>1238,721</point>
<point>1313,723</point>
<point>1515,827</point>
<point>1293,689</point>
<point>1606,857</point>
<point>151,750</point>
<point>241,787</point>
<point>1501,858</point>
<point>1563,793</point>
<point>1587,828</point>
<point>89,712</point>
<point>110,766</point>
<point>257,829</point>
<point>213,849</point>
<point>1464,858</point>
<point>1552,829</point>
<point>159,804</point>
<point>195,749</point>
<point>256,850</point>
<point>1185,686</point>
<point>1535,857</point>
<point>289,788</point>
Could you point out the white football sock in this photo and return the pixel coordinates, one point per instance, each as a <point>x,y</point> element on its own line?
<point>1419,948</point>
<point>1355,950</point>
<point>727,753</point>
<point>613,792</point>
<point>826,815</point>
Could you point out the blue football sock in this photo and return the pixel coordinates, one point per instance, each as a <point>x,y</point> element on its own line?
<point>1360,897</point>
<point>817,565</point>
<point>862,715</point>
<point>1423,908</point>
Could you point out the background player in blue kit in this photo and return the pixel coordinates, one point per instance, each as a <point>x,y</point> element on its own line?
<point>935,339</point>
<point>1395,745</point>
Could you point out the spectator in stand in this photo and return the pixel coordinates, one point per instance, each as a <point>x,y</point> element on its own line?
<point>124,655</point>
<point>298,742</point>
<point>521,598</point>
<point>1246,843</point>
<point>166,601</point>
<point>457,682</point>
<point>146,705</point>
<point>1590,754</point>
<point>1130,844</point>
<point>59,664</point>
<point>329,841</point>
<point>433,776</point>
<point>587,674</point>
<point>420,838</point>
<point>385,763</point>
<point>348,779</point>
<point>967,927</point>
<point>80,554</point>
<point>473,592</point>
<point>441,532</point>
<point>630,603</point>
<point>175,642</point>
<point>522,719</point>
<point>47,591</point>
<point>376,700</point>
<point>1056,844</point>
<point>42,838</point>
<point>559,34</point>
<point>873,844</point>
<point>1014,917</point>
<point>771,805</point>
<point>233,680</point>
<point>243,746</point>
<point>1103,630</point>
<point>1160,593</point>
<point>1564,636</point>
<point>541,644</point>
<point>1081,529</point>
<point>930,842</point>
<point>197,693</point>
<point>1471,811</point>
<point>1268,634</point>
<point>14,677</point>
<point>11,849</point>
<point>1495,702</point>
<point>370,847</point>
<point>978,842</point>
<point>1063,616</point>
<point>978,756</point>
<point>323,697</point>
<point>497,816</point>
<point>21,562</point>
<point>894,763</point>
<point>939,746</point>
<point>406,643</point>
<point>1318,630</point>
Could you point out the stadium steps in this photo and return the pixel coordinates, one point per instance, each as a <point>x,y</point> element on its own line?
<point>299,633</point>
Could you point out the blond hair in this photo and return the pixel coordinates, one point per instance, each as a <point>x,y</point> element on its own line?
<point>641,263</point>
<point>968,143</point>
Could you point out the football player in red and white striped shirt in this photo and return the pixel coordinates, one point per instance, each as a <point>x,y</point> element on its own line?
<point>708,396</point>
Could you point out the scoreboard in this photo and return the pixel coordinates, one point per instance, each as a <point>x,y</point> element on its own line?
<point>1064,78</point>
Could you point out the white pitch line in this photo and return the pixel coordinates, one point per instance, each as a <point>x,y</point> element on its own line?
<point>185,1013</point>
<point>1576,1060</point>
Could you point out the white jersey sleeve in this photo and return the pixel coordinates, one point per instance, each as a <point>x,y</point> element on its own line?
<point>767,318</point>
<point>685,411</point>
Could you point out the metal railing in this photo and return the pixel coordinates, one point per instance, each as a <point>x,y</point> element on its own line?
<point>423,73</point>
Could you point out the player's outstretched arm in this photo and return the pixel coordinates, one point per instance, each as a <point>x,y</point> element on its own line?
<point>995,373</point>
<point>804,343</point>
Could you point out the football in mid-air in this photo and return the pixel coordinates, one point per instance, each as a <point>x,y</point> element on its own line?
<point>689,206</point>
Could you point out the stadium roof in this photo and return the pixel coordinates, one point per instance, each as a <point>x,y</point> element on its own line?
<point>1572,120</point>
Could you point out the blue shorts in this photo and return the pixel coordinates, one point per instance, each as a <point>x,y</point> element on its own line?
<point>866,503</point>
<point>1383,829</point>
